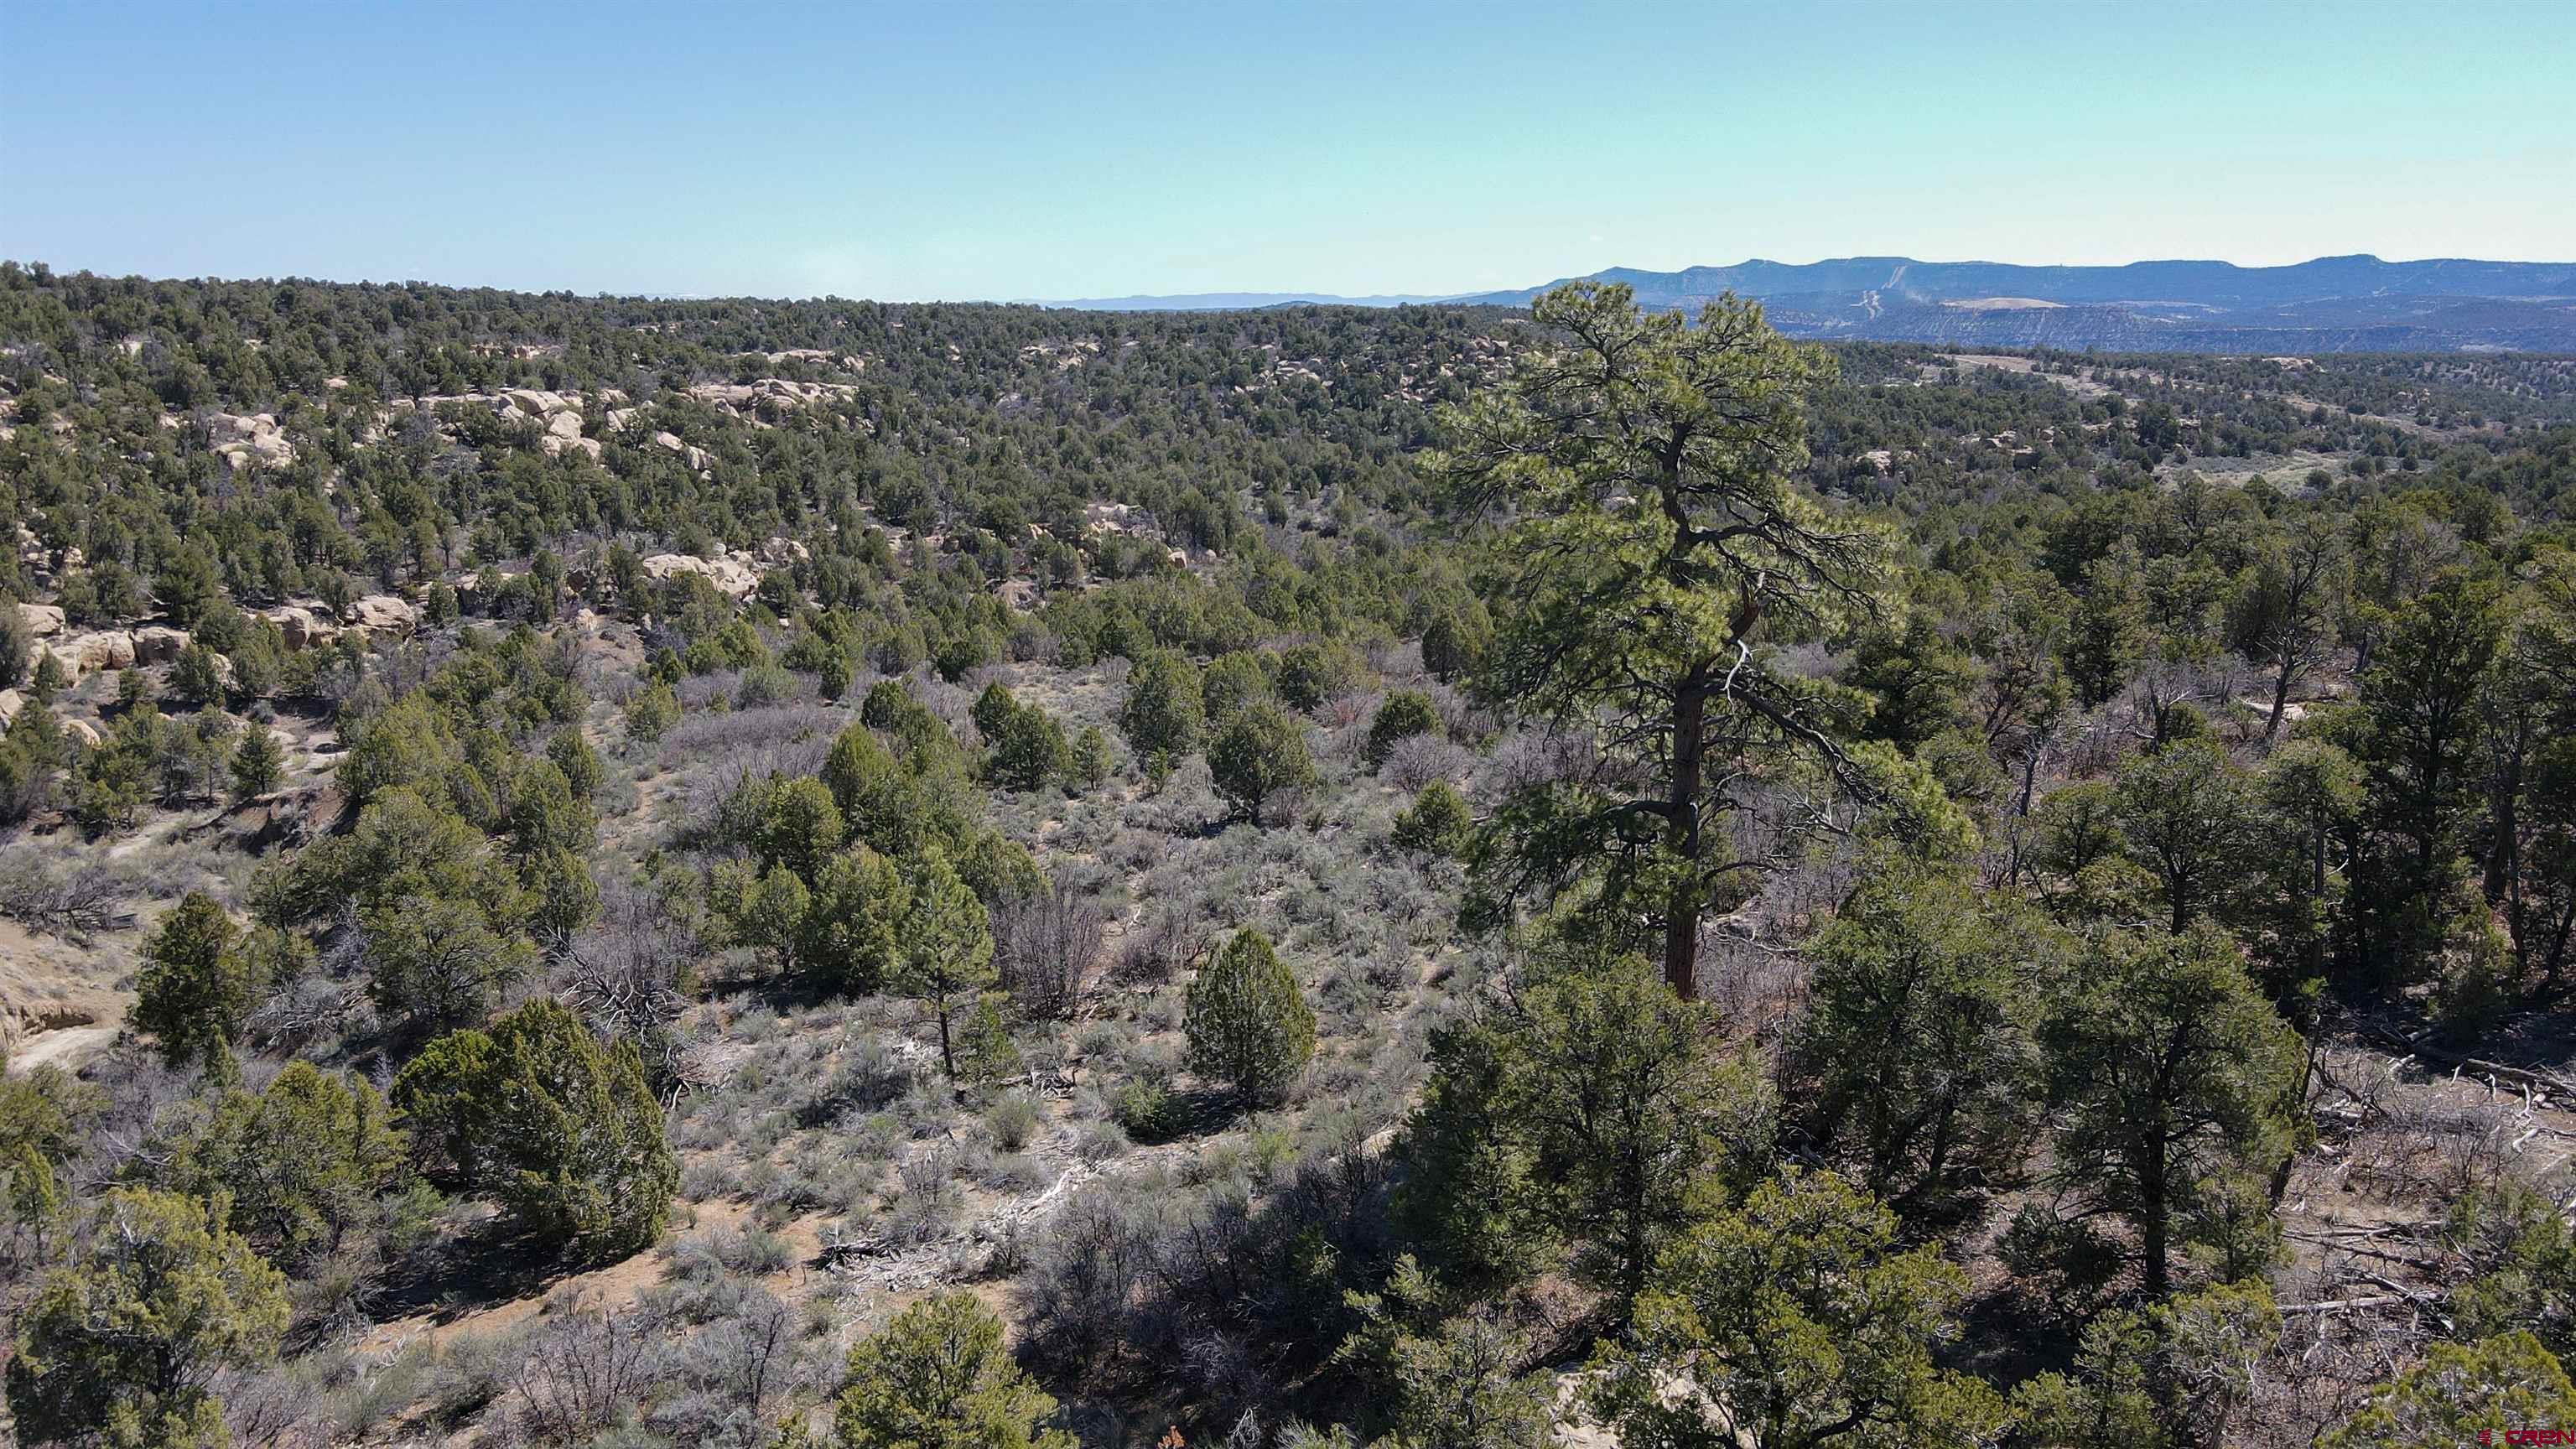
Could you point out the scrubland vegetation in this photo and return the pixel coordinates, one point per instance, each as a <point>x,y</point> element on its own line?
<point>627,873</point>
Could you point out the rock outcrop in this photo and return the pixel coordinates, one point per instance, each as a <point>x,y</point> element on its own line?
<point>299,627</point>
<point>733,575</point>
<point>385,616</point>
<point>86,654</point>
<point>158,643</point>
<point>254,439</point>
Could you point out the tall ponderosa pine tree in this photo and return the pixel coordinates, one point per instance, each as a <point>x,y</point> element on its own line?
<point>1654,537</point>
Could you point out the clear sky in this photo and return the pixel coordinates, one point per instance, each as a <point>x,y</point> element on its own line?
<point>1075,149</point>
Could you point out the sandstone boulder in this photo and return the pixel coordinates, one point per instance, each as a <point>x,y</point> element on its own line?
<point>385,616</point>
<point>43,620</point>
<point>158,644</point>
<point>86,654</point>
<point>298,627</point>
<point>11,701</point>
<point>81,730</point>
<point>696,457</point>
<point>252,439</point>
<point>733,577</point>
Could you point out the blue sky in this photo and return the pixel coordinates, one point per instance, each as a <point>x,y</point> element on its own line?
<point>1086,149</point>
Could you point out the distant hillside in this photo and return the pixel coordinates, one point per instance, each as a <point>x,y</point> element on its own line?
<point>2332,304</point>
<point>1229,302</point>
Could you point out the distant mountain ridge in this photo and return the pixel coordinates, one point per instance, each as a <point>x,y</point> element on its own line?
<point>2330,304</point>
<point>2216,284</point>
<point>1234,301</point>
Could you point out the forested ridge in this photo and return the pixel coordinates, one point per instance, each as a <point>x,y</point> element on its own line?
<point>627,871</point>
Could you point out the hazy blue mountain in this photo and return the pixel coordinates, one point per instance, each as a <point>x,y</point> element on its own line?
<point>2332,304</point>
<point>1228,302</point>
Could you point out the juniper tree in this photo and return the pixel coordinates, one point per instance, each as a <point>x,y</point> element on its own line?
<point>197,983</point>
<point>1260,752</point>
<point>561,1130</point>
<point>2170,1077</point>
<point>1918,1034</point>
<point>1589,1106</point>
<point>1806,1321</point>
<point>1437,823</point>
<point>2463,1393</point>
<point>123,1340</point>
<point>298,1162</point>
<point>1232,681</point>
<point>1400,716</point>
<point>940,1377</point>
<point>257,763</point>
<point>1248,1024</point>
<point>1163,714</point>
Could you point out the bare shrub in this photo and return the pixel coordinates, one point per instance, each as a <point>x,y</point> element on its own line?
<point>473,1370</point>
<point>749,1354</point>
<point>2094,747</point>
<point>2425,1140</point>
<point>1461,718</point>
<point>1043,945</point>
<point>623,975</point>
<point>927,1204</point>
<point>1530,758</point>
<point>862,1080</point>
<point>1131,1278</point>
<point>699,692</point>
<point>277,1406</point>
<point>781,735</point>
<point>1344,710</point>
<point>953,704</point>
<point>75,900</point>
<point>1420,759</point>
<point>583,1372</point>
<point>1158,947</point>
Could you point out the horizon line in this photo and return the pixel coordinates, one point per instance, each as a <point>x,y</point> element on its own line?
<point>1285,295</point>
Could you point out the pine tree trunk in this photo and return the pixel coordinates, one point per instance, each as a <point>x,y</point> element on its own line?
<point>2151,1224</point>
<point>1682,908</point>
